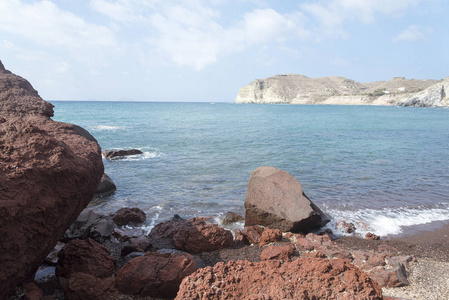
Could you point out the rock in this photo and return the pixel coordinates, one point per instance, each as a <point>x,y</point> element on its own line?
<point>32,292</point>
<point>138,244</point>
<point>120,153</point>
<point>270,236</point>
<point>125,234</point>
<point>284,252</point>
<point>396,277</point>
<point>82,286</point>
<point>52,257</point>
<point>276,200</point>
<point>161,236</point>
<point>196,236</point>
<point>46,280</point>
<point>304,278</point>
<point>106,186</point>
<point>232,217</point>
<point>155,274</point>
<point>90,224</point>
<point>435,95</point>
<point>49,172</point>
<point>239,238</point>
<point>85,256</point>
<point>346,226</point>
<point>372,236</point>
<point>129,216</point>
<point>253,234</point>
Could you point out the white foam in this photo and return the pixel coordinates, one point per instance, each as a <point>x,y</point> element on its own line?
<point>145,155</point>
<point>388,221</point>
<point>106,128</point>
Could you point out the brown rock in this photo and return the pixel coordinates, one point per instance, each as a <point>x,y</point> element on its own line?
<point>49,172</point>
<point>155,274</point>
<point>276,200</point>
<point>303,244</point>
<point>372,236</point>
<point>304,278</point>
<point>82,286</point>
<point>129,215</point>
<point>196,236</point>
<point>120,153</point>
<point>232,217</point>
<point>270,236</point>
<point>138,244</point>
<point>284,252</point>
<point>32,292</point>
<point>85,256</point>
<point>125,234</point>
<point>253,234</point>
<point>161,236</point>
<point>239,238</point>
<point>396,277</point>
<point>345,226</point>
<point>324,244</point>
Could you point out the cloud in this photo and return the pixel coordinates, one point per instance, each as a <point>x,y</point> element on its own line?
<point>412,34</point>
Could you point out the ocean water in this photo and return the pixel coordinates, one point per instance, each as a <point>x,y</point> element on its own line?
<point>382,168</point>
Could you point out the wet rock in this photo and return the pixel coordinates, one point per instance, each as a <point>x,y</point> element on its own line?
<point>52,257</point>
<point>129,216</point>
<point>253,234</point>
<point>90,224</point>
<point>106,186</point>
<point>372,236</point>
<point>346,226</point>
<point>232,217</point>
<point>196,236</point>
<point>276,200</point>
<point>161,236</point>
<point>155,274</point>
<point>120,153</point>
<point>46,280</point>
<point>82,286</point>
<point>138,244</point>
<point>125,234</point>
<point>270,236</point>
<point>304,278</point>
<point>284,252</point>
<point>49,172</point>
<point>85,256</point>
<point>239,238</point>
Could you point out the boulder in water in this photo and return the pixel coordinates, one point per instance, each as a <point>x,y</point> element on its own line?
<point>120,153</point>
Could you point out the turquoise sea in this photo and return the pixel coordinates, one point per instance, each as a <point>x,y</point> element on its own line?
<point>382,168</point>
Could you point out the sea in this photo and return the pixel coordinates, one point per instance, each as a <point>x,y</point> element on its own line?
<point>385,169</point>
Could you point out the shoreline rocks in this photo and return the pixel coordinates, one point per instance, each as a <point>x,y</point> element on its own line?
<point>110,154</point>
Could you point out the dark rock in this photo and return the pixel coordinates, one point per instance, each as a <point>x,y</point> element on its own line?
<point>345,226</point>
<point>32,292</point>
<point>270,236</point>
<point>155,274</point>
<point>106,186</point>
<point>49,172</point>
<point>52,257</point>
<point>284,252</point>
<point>120,153</point>
<point>46,280</point>
<point>232,217</point>
<point>138,244</point>
<point>276,200</point>
<point>82,286</point>
<point>129,216</point>
<point>396,277</point>
<point>177,218</point>
<point>253,234</point>
<point>85,256</point>
<point>239,238</point>
<point>90,224</point>
<point>304,278</point>
<point>125,234</point>
<point>372,236</point>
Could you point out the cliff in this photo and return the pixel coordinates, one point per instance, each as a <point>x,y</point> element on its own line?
<point>300,89</point>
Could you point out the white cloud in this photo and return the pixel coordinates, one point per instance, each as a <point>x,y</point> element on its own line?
<point>412,34</point>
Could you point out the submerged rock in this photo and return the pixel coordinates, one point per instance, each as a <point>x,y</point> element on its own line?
<point>120,153</point>
<point>129,216</point>
<point>106,186</point>
<point>49,172</point>
<point>276,200</point>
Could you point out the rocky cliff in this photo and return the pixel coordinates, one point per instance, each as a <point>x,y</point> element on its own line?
<point>49,172</point>
<point>299,89</point>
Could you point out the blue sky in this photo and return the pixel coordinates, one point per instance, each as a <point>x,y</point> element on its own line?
<point>205,50</point>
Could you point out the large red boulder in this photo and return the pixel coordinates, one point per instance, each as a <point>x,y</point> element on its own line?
<point>49,172</point>
<point>275,199</point>
<point>304,278</point>
<point>82,286</point>
<point>155,274</point>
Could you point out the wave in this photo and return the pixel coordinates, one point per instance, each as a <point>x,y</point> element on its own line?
<point>387,221</point>
<point>144,156</point>
<point>106,128</point>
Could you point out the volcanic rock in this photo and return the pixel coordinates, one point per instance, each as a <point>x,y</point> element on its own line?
<point>129,216</point>
<point>232,217</point>
<point>85,256</point>
<point>120,153</point>
<point>106,186</point>
<point>372,236</point>
<point>284,252</point>
<point>90,224</point>
<point>276,200</point>
<point>270,236</point>
<point>88,287</point>
<point>304,278</point>
<point>49,172</point>
<point>346,226</point>
<point>155,274</point>
<point>253,233</point>
<point>138,244</point>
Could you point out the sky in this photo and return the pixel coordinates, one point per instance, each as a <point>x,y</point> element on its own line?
<point>206,50</point>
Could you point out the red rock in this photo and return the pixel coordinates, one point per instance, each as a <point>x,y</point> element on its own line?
<point>239,238</point>
<point>85,256</point>
<point>345,226</point>
<point>389,277</point>
<point>253,234</point>
<point>276,200</point>
<point>284,252</point>
<point>303,244</point>
<point>82,286</point>
<point>324,244</point>
<point>196,236</point>
<point>232,217</point>
<point>32,292</point>
<point>155,274</point>
<point>372,236</point>
<point>304,278</point>
<point>270,236</point>
<point>49,172</point>
<point>129,215</point>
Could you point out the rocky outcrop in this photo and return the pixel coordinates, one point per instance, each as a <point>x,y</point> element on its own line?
<point>275,199</point>
<point>304,278</point>
<point>120,153</point>
<point>299,89</point>
<point>49,172</point>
